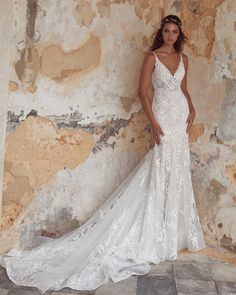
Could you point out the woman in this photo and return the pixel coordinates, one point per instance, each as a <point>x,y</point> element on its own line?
<point>152,214</point>
<point>167,45</point>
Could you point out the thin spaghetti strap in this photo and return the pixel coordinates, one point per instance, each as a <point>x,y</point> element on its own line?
<point>154,54</point>
<point>181,58</point>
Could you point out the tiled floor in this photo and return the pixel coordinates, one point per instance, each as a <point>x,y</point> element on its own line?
<point>207,272</point>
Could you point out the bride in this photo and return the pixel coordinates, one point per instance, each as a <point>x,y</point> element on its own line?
<point>152,214</point>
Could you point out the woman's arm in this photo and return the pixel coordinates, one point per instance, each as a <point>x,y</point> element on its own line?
<point>144,83</point>
<point>192,112</point>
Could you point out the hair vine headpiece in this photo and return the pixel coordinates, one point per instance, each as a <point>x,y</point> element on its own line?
<point>170,19</point>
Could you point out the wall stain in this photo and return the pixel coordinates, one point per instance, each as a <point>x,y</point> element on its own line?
<point>227,125</point>
<point>13,86</point>
<point>104,8</point>
<point>28,66</point>
<point>59,65</point>
<point>32,9</point>
<point>13,120</point>
<point>227,242</point>
<point>85,13</point>
<point>44,150</point>
<point>196,131</point>
<point>230,171</point>
<point>127,102</point>
<point>199,25</point>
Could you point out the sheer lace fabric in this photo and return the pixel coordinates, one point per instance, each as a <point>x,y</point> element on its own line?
<point>150,216</point>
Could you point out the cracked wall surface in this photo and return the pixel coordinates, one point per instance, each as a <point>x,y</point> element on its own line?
<point>6,16</point>
<point>43,152</point>
<point>75,127</point>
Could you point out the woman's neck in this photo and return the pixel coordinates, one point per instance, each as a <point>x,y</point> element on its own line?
<point>169,49</point>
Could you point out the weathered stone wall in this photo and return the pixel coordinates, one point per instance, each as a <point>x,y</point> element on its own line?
<point>5,55</point>
<point>75,128</point>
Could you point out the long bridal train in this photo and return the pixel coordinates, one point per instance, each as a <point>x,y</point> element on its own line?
<point>136,226</point>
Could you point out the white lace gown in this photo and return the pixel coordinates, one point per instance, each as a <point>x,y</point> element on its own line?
<point>148,219</point>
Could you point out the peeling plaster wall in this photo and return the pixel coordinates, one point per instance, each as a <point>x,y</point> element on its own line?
<point>75,128</point>
<point>5,55</point>
<point>213,153</point>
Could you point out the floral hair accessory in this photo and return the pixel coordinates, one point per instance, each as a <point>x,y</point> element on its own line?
<point>170,19</point>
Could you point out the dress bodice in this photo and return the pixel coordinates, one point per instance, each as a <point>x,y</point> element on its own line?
<point>162,78</point>
<point>169,102</point>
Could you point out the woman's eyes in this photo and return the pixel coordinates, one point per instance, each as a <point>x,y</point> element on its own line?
<point>175,32</point>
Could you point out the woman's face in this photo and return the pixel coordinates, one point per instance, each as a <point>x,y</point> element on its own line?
<point>170,33</point>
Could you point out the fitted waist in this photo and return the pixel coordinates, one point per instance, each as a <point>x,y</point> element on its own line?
<point>169,101</point>
<point>162,93</point>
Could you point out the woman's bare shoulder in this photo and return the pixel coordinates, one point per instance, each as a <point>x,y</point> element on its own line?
<point>150,54</point>
<point>149,57</point>
<point>185,57</point>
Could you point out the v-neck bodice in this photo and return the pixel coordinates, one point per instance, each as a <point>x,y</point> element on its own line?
<point>162,64</point>
<point>163,78</point>
<point>169,102</point>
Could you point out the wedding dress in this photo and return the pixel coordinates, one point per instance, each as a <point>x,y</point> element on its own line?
<point>148,218</point>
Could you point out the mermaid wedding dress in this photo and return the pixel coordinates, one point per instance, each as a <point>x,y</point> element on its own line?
<point>148,218</point>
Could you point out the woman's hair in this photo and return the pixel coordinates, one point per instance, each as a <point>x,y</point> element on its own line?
<point>158,40</point>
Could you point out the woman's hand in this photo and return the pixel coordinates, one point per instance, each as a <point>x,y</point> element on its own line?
<point>190,119</point>
<point>157,132</point>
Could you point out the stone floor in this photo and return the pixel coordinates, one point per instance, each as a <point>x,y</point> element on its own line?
<point>206,272</point>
